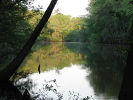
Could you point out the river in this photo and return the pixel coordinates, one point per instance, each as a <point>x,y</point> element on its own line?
<point>72,71</point>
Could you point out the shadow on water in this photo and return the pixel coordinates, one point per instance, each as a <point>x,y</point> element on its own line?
<point>72,71</point>
<point>106,63</point>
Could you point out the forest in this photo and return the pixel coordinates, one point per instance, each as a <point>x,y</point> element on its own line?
<point>17,23</point>
<point>107,22</point>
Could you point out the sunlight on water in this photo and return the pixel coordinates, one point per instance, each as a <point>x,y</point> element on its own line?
<point>67,84</point>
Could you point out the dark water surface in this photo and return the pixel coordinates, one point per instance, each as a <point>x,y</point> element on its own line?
<point>72,71</point>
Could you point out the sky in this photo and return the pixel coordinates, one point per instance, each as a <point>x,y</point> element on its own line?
<point>75,8</point>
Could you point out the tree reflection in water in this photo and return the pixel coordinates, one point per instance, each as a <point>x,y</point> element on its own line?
<point>102,68</point>
<point>106,63</point>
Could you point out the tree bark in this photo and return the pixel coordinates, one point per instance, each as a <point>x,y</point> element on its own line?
<point>6,73</point>
<point>126,92</point>
<point>127,84</point>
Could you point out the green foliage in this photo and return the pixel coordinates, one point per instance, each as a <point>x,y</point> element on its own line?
<point>109,21</point>
<point>78,32</point>
<point>60,28</point>
<point>74,36</point>
<point>17,22</point>
<point>14,29</point>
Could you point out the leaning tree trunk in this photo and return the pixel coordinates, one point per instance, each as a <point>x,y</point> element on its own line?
<point>6,73</point>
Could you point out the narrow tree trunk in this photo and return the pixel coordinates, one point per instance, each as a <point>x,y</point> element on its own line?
<point>11,68</point>
<point>127,84</point>
<point>0,4</point>
<point>126,92</point>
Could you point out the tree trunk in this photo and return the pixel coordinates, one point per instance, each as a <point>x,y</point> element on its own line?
<point>9,91</point>
<point>6,73</point>
<point>126,92</point>
<point>127,84</point>
<point>0,4</point>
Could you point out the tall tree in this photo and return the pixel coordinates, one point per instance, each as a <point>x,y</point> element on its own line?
<point>6,73</point>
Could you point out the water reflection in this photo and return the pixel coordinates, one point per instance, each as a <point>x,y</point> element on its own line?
<point>50,56</point>
<point>72,71</point>
<point>107,65</point>
<point>65,85</point>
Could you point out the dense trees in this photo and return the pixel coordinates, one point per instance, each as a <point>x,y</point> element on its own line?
<point>10,69</point>
<point>13,28</point>
<point>17,23</point>
<point>60,26</point>
<point>109,21</point>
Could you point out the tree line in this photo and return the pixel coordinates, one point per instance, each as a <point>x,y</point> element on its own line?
<point>17,23</point>
<point>106,22</point>
<point>110,21</point>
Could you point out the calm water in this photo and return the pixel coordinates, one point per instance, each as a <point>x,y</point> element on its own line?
<point>72,71</point>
